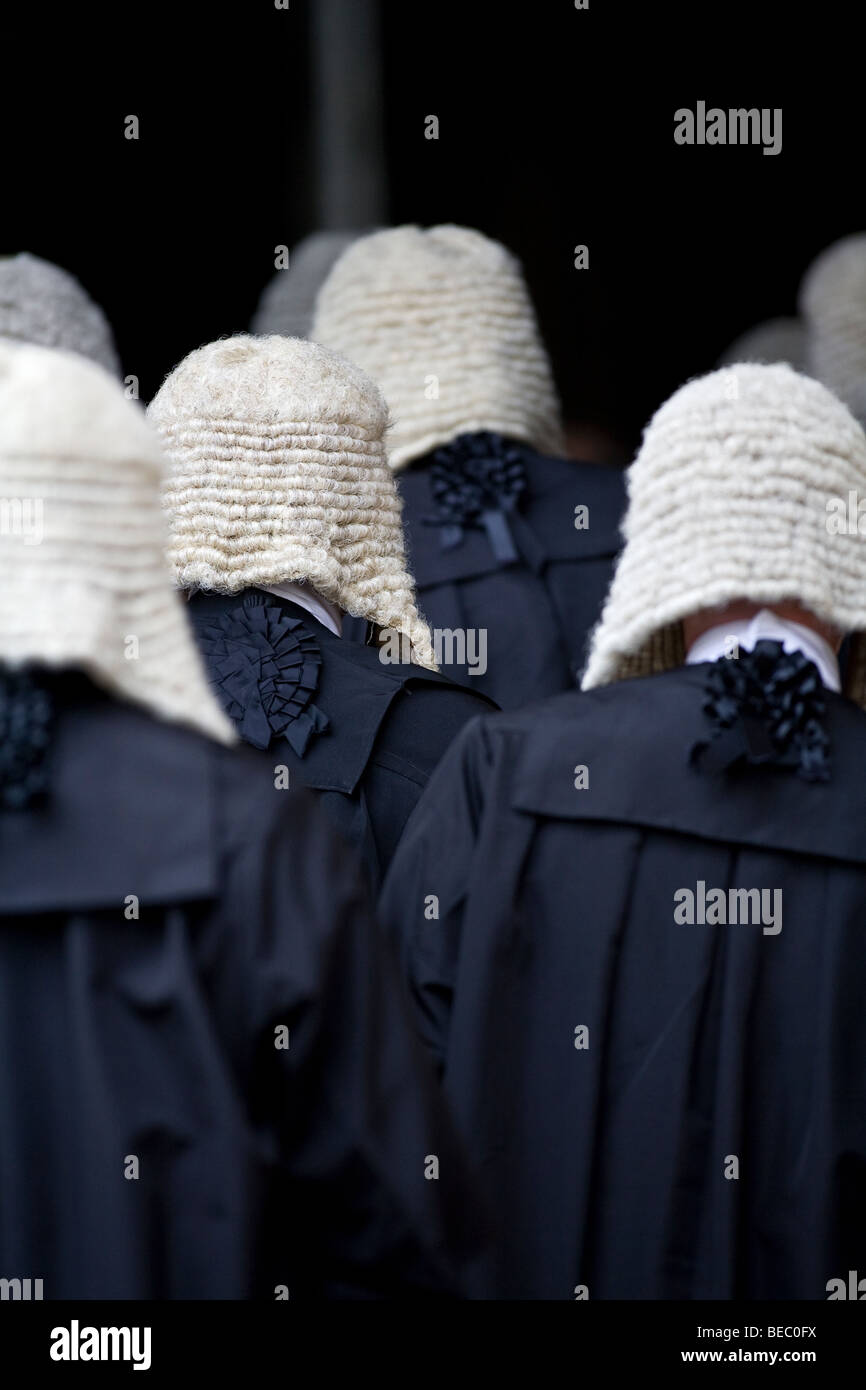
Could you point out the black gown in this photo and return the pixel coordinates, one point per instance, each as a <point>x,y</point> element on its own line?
<point>363,734</point>
<point>607,1152</point>
<point>492,544</point>
<point>163,911</point>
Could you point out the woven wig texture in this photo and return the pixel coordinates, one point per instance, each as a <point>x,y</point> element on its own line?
<point>442,320</point>
<point>279,475</point>
<point>44,305</point>
<point>833,303</point>
<point>732,496</point>
<point>83,578</point>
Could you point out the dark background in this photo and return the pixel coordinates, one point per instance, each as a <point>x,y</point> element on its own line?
<point>556,128</point>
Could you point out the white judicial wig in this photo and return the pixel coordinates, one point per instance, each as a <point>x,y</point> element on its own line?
<point>83,578</point>
<point>736,493</point>
<point>442,321</point>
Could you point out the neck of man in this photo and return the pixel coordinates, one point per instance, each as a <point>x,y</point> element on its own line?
<point>716,632</point>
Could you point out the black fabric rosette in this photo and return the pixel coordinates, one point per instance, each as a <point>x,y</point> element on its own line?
<point>265,666</point>
<point>26,727</point>
<point>767,706</point>
<point>476,483</point>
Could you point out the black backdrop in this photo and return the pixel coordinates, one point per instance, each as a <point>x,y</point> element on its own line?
<point>556,128</point>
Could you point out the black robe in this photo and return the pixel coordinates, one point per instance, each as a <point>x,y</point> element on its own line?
<point>607,1153</point>
<point>151,1038</point>
<point>364,734</point>
<point>521,569</point>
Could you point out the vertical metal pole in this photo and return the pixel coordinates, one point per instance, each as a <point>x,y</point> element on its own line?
<point>348,107</point>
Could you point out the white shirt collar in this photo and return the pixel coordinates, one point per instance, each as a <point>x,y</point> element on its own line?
<point>766,625</point>
<point>328,614</point>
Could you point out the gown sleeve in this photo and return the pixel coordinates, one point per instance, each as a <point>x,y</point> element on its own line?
<point>374,1196</point>
<point>425,892</point>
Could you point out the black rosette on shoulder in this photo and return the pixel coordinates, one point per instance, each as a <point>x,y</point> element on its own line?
<point>767,706</point>
<point>265,666</point>
<point>26,726</point>
<point>476,482</point>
